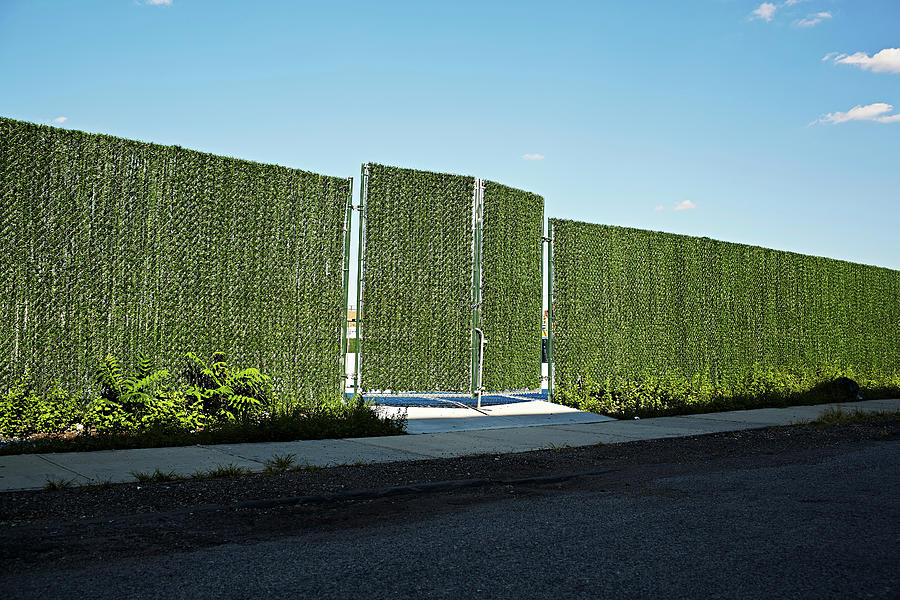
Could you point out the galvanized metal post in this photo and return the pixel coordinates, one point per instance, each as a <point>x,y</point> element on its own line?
<point>477,231</point>
<point>360,275</point>
<point>541,349</point>
<point>550,310</point>
<point>348,217</point>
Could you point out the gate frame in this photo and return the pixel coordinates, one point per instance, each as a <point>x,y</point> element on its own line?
<point>360,266</point>
<point>549,241</point>
<point>478,339</point>
<point>348,218</point>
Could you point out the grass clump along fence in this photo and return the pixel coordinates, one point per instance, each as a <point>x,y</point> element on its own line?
<point>206,402</point>
<point>649,323</point>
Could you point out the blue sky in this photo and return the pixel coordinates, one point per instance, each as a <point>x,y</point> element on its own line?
<point>765,123</point>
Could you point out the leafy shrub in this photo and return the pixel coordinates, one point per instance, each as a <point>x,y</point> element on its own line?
<point>150,400</point>
<point>25,410</point>
<point>141,401</point>
<point>209,404</point>
<point>303,420</point>
<point>657,395</point>
<point>226,394</point>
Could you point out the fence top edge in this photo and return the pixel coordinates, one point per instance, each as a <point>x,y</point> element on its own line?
<point>113,139</point>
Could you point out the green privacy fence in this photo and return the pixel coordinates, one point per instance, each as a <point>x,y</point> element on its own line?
<point>442,257</point>
<point>416,279</point>
<point>634,307</point>
<point>511,288</point>
<point>115,246</point>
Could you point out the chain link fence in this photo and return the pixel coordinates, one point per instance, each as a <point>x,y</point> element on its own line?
<point>630,304</point>
<point>115,246</point>
<point>447,260</point>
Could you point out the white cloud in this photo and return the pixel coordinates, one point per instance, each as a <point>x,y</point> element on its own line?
<point>685,205</point>
<point>793,2</point>
<point>813,19</point>
<point>871,112</point>
<point>533,156</point>
<point>60,119</point>
<point>659,207</point>
<point>764,11</point>
<point>885,61</point>
<point>158,2</point>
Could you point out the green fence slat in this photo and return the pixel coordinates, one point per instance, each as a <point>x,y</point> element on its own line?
<point>115,246</point>
<point>418,286</point>
<point>416,281</point>
<point>636,310</point>
<point>511,309</point>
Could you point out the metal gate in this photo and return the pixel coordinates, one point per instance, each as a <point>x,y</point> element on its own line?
<point>449,288</point>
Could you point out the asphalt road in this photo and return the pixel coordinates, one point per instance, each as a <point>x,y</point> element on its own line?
<point>826,526</point>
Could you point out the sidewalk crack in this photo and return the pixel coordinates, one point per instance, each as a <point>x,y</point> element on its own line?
<point>231,454</point>
<point>413,455</point>
<point>63,467</point>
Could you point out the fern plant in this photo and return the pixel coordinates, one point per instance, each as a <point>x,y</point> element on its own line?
<point>130,402</point>
<point>119,388</point>
<point>225,394</point>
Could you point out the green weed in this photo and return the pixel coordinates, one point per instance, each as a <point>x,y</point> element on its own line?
<point>168,420</point>
<point>307,468</point>
<point>56,484</point>
<point>836,416</point>
<point>279,463</point>
<point>558,447</point>
<point>229,470</point>
<point>26,409</point>
<point>100,484</point>
<point>156,476</point>
<point>661,395</point>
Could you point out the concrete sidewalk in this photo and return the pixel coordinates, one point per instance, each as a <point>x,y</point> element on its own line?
<point>500,431</point>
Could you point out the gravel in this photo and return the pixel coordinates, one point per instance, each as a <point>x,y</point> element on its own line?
<point>135,498</point>
<point>75,526</point>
